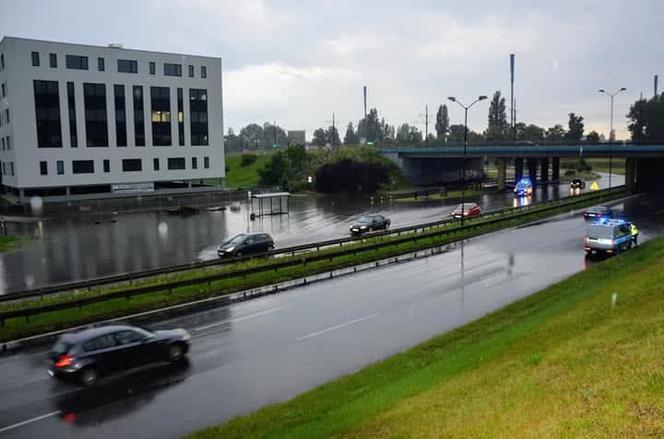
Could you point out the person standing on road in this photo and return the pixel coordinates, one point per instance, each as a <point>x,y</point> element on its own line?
<point>635,233</point>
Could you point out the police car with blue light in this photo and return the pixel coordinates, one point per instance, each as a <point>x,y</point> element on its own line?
<point>523,188</point>
<point>609,236</point>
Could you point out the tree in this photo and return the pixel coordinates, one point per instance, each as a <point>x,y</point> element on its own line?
<point>371,129</point>
<point>442,122</point>
<point>592,137</point>
<point>351,138</point>
<point>333,136</point>
<point>556,133</point>
<point>320,137</point>
<point>402,133</point>
<point>232,142</point>
<point>575,128</point>
<point>269,136</point>
<point>533,133</point>
<point>498,128</point>
<point>647,120</point>
<point>253,134</point>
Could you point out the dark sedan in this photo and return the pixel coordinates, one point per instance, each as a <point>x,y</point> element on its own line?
<point>246,244</point>
<point>597,212</point>
<point>577,183</point>
<point>368,223</point>
<point>87,355</point>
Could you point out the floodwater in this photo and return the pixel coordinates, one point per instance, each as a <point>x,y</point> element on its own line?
<point>68,248</point>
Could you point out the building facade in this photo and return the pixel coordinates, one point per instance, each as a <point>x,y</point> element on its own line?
<point>78,120</point>
<point>296,137</point>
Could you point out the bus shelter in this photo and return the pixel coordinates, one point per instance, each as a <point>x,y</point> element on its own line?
<point>273,203</point>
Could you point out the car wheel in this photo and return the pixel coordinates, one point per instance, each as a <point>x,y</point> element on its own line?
<point>238,254</point>
<point>88,376</point>
<point>175,353</point>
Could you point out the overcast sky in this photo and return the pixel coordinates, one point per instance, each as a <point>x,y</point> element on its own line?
<point>296,62</point>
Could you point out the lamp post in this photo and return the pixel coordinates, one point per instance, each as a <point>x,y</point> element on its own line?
<point>611,135</point>
<point>465,145</point>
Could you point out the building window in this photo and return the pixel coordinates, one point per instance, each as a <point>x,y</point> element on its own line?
<point>3,169</point>
<point>9,143</point>
<point>153,68</point>
<point>2,61</point>
<point>7,112</point>
<point>127,66</point>
<point>198,116</point>
<point>35,59</point>
<point>47,114</point>
<point>180,117</point>
<point>71,104</point>
<point>60,165</point>
<point>107,166</point>
<point>120,115</point>
<point>11,168</point>
<point>96,127</point>
<point>161,116</point>
<point>132,165</point>
<point>83,167</point>
<point>139,120</point>
<point>43,168</point>
<point>206,162</point>
<point>194,163</point>
<point>191,71</point>
<point>203,72</point>
<point>76,62</point>
<point>101,65</point>
<point>3,143</point>
<point>172,69</point>
<point>4,89</point>
<point>176,163</point>
<point>155,164</point>
<point>53,60</point>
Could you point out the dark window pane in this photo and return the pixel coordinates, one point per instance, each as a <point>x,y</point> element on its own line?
<point>43,168</point>
<point>155,164</point>
<point>83,167</point>
<point>61,167</point>
<point>180,118</point>
<point>203,72</point>
<point>120,115</point>
<point>127,66</point>
<point>131,165</point>
<point>161,116</point>
<point>35,59</point>
<point>191,71</point>
<point>153,68</point>
<point>198,115</point>
<point>139,120</point>
<point>96,127</point>
<point>71,104</point>
<point>76,62</point>
<point>101,66</point>
<point>47,114</point>
<point>176,163</point>
<point>107,166</point>
<point>194,163</point>
<point>206,162</point>
<point>172,69</point>
<point>53,60</point>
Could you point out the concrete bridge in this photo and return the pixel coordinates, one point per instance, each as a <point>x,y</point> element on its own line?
<point>644,164</point>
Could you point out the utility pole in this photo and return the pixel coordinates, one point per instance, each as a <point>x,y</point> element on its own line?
<point>512,103</point>
<point>275,134</point>
<point>426,123</point>
<point>334,130</point>
<point>656,80</point>
<point>611,134</point>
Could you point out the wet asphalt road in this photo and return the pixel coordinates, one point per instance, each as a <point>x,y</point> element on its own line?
<point>270,349</point>
<point>75,248</point>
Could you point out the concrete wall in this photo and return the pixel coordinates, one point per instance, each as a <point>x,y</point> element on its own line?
<point>435,171</point>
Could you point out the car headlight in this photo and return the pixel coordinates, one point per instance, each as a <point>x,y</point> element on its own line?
<point>229,249</point>
<point>363,227</point>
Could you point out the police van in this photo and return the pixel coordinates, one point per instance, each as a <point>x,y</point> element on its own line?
<point>609,236</point>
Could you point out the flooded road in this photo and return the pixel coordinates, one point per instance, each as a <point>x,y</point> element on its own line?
<point>70,248</point>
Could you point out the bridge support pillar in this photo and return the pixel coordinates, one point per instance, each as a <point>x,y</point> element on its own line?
<point>544,176</point>
<point>630,173</point>
<point>501,164</point>
<point>532,170</point>
<point>518,169</point>
<point>555,169</point>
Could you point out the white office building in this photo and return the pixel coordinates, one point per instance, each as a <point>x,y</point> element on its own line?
<point>90,121</point>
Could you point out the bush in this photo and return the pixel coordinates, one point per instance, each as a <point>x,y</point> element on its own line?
<point>351,176</point>
<point>248,159</point>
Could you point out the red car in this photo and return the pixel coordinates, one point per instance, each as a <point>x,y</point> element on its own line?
<point>469,210</point>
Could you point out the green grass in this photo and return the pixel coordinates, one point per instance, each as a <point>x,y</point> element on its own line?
<point>560,363</point>
<point>8,242</point>
<point>115,307</point>
<point>602,165</point>
<point>584,175</point>
<point>245,177</point>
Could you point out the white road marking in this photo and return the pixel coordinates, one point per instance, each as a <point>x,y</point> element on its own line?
<point>238,319</point>
<point>29,421</point>
<point>332,328</point>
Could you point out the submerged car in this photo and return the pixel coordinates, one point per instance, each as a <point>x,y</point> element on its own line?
<point>577,183</point>
<point>246,244</point>
<point>466,210</point>
<point>608,236</point>
<point>87,355</point>
<point>523,188</point>
<point>597,212</point>
<point>369,223</point>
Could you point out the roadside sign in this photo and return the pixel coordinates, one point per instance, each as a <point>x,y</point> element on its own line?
<point>594,186</point>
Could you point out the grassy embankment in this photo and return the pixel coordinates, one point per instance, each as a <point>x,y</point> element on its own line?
<point>602,165</point>
<point>453,195</point>
<point>115,307</point>
<point>563,362</point>
<point>7,243</point>
<point>244,176</point>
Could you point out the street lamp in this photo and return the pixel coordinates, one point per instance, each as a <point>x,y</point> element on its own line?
<point>611,135</point>
<point>465,145</point>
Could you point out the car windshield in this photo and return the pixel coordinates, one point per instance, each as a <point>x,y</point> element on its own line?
<point>61,347</point>
<point>466,206</point>
<point>237,239</point>
<point>600,209</point>
<point>598,231</point>
<point>365,220</point>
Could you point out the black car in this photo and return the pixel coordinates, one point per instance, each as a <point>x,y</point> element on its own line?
<point>577,183</point>
<point>597,212</point>
<point>85,356</point>
<point>368,223</point>
<point>246,244</point>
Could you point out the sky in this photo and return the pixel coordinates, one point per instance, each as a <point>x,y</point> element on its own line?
<point>298,62</point>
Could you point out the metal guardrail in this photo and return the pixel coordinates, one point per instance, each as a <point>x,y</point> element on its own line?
<point>487,219</point>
